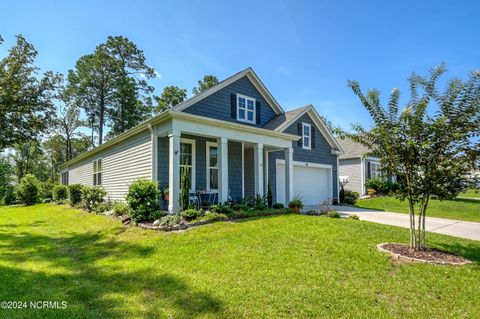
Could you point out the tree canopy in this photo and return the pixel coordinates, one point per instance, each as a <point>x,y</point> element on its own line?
<point>171,96</point>
<point>205,83</point>
<point>430,150</point>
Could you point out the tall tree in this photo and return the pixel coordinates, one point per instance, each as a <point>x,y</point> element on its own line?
<point>171,96</point>
<point>26,99</point>
<point>28,158</point>
<point>431,152</point>
<point>205,83</point>
<point>6,174</point>
<point>132,85</point>
<point>93,85</point>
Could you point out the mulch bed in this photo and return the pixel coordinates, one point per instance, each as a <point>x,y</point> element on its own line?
<point>427,255</point>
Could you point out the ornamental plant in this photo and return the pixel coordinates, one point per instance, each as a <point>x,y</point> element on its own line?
<point>143,198</point>
<point>29,190</point>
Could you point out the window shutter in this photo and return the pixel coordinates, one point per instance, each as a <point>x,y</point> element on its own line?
<point>299,132</point>
<point>233,104</point>
<point>312,133</point>
<point>258,110</point>
<point>369,170</point>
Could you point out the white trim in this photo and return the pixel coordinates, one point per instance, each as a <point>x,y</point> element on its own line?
<point>193,143</point>
<point>243,169</point>
<point>250,74</point>
<point>362,174</point>
<point>338,181</point>
<point>207,166</point>
<point>315,165</point>
<point>318,122</point>
<point>309,147</point>
<point>246,98</point>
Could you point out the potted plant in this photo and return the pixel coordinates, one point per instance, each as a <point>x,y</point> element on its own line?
<point>296,204</point>
<point>165,194</point>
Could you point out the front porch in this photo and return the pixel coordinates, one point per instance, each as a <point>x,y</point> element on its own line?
<point>225,162</point>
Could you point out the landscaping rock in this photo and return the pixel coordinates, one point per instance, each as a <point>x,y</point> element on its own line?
<point>126,220</point>
<point>428,255</point>
<point>156,223</point>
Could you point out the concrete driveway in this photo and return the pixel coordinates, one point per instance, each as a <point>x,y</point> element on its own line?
<point>457,228</point>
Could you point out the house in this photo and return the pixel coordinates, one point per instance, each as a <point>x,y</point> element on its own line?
<point>234,138</point>
<point>356,166</point>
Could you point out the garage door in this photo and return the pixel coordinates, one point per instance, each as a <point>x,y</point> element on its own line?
<point>313,184</point>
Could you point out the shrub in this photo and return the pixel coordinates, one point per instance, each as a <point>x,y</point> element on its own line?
<point>260,202</point>
<point>333,214</point>
<point>28,190</point>
<point>60,193</point>
<point>342,194</point>
<point>92,197</point>
<point>222,209</point>
<point>240,206</point>
<point>185,185</point>
<point>75,194</point>
<point>170,220</point>
<point>350,197</point>
<point>371,192</point>
<point>269,196</point>
<point>381,185</point>
<point>142,198</point>
<point>120,208</point>
<point>214,216</point>
<point>278,206</point>
<point>103,207</point>
<point>354,217</point>
<point>46,189</point>
<point>190,214</point>
<point>9,196</point>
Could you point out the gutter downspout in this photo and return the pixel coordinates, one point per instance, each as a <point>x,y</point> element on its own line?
<point>154,144</point>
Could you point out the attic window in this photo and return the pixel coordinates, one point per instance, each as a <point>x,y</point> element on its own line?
<point>245,109</point>
<point>306,136</point>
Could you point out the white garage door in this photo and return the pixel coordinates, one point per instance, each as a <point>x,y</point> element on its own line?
<point>312,183</point>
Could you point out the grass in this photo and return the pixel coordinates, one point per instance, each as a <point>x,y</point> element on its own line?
<point>459,209</point>
<point>282,266</point>
<point>472,193</point>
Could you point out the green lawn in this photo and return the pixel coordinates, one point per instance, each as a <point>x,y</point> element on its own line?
<point>460,209</point>
<point>283,266</point>
<point>470,193</point>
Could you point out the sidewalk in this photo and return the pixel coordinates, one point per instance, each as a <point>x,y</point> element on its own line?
<point>458,228</point>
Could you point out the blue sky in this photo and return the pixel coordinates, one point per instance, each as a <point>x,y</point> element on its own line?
<point>303,51</point>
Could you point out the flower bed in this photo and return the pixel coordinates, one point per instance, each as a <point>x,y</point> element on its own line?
<point>428,255</point>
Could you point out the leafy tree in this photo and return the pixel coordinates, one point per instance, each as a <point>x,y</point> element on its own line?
<point>92,84</point>
<point>28,158</point>
<point>133,73</point>
<point>26,99</point>
<point>204,84</point>
<point>431,152</point>
<point>29,190</point>
<point>6,173</point>
<point>171,96</point>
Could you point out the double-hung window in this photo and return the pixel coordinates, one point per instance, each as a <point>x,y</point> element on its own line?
<point>375,170</point>
<point>187,160</point>
<point>245,109</point>
<point>97,172</point>
<point>306,136</point>
<point>212,166</point>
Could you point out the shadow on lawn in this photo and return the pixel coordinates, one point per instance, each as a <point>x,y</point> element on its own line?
<point>93,272</point>
<point>470,251</point>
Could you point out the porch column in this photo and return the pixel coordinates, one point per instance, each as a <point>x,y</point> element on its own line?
<point>222,159</point>
<point>258,168</point>
<point>288,174</point>
<point>265,170</point>
<point>174,171</point>
<point>154,145</point>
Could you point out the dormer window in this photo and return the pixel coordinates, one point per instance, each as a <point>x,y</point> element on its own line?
<point>306,136</point>
<point>245,109</point>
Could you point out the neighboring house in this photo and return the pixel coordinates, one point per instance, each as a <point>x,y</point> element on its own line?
<point>234,138</point>
<point>357,166</point>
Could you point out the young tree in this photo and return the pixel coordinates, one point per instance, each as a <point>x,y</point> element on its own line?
<point>204,84</point>
<point>6,173</point>
<point>431,152</point>
<point>26,100</point>
<point>92,84</point>
<point>171,96</point>
<point>132,85</point>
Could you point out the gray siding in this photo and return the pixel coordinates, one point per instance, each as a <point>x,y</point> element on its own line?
<point>218,105</point>
<point>320,154</point>
<point>122,164</point>
<point>235,170</point>
<point>352,169</point>
<point>249,174</point>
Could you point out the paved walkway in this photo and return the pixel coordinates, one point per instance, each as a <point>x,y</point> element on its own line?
<point>457,228</point>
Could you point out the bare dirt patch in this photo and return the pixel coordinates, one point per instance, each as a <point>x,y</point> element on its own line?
<point>427,255</point>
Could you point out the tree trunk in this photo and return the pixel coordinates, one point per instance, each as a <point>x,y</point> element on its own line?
<point>100,121</point>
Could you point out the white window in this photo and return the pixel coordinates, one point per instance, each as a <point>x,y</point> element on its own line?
<point>187,160</point>
<point>245,109</point>
<point>97,172</point>
<point>212,166</point>
<point>375,170</point>
<point>306,136</point>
